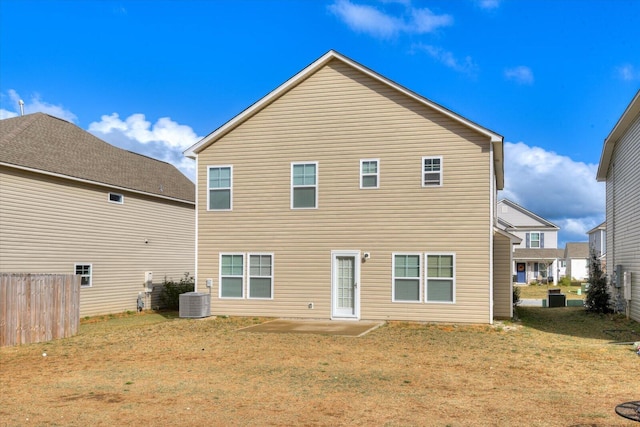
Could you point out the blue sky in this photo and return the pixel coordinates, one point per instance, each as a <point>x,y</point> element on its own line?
<point>552,77</point>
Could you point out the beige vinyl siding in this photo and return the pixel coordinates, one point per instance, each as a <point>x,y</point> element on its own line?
<point>337,117</point>
<point>623,205</point>
<point>502,278</point>
<point>47,224</point>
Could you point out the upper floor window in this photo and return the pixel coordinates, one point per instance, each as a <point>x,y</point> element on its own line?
<point>304,185</point>
<point>84,271</point>
<point>432,171</point>
<point>116,198</point>
<point>369,173</point>
<point>535,240</point>
<point>219,188</point>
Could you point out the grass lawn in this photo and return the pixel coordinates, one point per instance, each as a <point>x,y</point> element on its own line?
<point>540,291</point>
<point>557,367</point>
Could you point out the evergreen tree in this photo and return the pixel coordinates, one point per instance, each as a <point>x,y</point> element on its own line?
<point>598,298</point>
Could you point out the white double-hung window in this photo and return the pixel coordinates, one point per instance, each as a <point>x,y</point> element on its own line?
<point>369,173</point>
<point>441,275</point>
<point>220,180</point>
<point>231,275</point>
<point>260,276</point>
<point>304,185</point>
<point>406,277</point>
<point>432,171</point>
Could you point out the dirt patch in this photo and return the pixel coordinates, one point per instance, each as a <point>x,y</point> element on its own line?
<point>553,369</point>
<point>283,326</point>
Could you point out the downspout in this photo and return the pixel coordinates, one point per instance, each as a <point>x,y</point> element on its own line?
<point>492,187</point>
<point>195,275</point>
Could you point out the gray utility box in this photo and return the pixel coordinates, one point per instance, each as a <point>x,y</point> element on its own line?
<point>195,305</point>
<point>556,298</point>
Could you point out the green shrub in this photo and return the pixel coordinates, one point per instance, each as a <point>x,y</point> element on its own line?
<point>170,295</point>
<point>516,295</point>
<point>598,298</point>
<point>565,281</point>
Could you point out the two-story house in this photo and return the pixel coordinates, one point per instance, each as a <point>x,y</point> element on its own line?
<point>536,257</point>
<point>618,168</point>
<point>598,242</point>
<point>71,203</point>
<point>343,195</point>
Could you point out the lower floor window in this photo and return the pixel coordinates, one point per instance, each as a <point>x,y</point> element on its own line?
<point>440,277</point>
<point>84,271</point>
<point>259,274</point>
<point>406,277</point>
<point>231,275</point>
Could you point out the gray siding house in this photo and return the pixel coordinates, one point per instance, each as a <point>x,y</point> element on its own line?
<point>619,169</point>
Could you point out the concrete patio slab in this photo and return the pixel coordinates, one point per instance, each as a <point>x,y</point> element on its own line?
<point>321,327</point>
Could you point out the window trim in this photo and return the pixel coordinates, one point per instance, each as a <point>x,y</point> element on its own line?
<point>249,276</point>
<point>426,277</point>
<point>230,188</point>
<point>120,198</point>
<point>75,271</point>
<point>316,186</point>
<point>539,235</point>
<point>220,277</point>
<point>377,174</point>
<point>440,172</point>
<point>393,277</point>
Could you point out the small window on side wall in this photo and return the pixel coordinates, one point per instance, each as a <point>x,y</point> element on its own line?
<point>304,185</point>
<point>84,271</point>
<point>116,198</point>
<point>369,173</point>
<point>220,185</point>
<point>432,171</point>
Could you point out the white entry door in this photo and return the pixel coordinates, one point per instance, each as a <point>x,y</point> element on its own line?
<point>345,284</point>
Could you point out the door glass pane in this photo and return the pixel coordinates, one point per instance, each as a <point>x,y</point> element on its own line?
<point>345,282</point>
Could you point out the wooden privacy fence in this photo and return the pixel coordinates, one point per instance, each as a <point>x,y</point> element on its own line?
<point>38,307</point>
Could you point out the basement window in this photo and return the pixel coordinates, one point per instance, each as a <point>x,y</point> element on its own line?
<point>116,198</point>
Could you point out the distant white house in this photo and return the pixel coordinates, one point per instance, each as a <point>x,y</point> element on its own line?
<point>598,242</point>
<point>576,255</point>
<point>619,169</point>
<point>536,257</point>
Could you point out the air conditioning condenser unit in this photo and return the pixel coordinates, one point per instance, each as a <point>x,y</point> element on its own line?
<point>195,305</point>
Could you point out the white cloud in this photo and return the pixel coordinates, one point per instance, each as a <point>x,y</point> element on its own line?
<point>489,4</point>
<point>165,140</point>
<point>447,58</point>
<point>34,105</point>
<point>628,72</point>
<point>370,20</point>
<point>555,187</point>
<point>521,74</point>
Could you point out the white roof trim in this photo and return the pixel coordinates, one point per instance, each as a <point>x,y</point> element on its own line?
<point>515,240</point>
<point>531,214</point>
<point>193,151</point>
<point>618,131</point>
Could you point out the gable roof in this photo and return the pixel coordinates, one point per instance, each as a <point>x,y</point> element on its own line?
<point>628,117</point>
<point>46,144</point>
<point>495,139</point>
<point>524,211</point>
<point>576,250</point>
<point>602,226</point>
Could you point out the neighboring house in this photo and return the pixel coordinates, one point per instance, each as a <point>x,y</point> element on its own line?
<point>536,257</point>
<point>619,169</point>
<point>343,195</point>
<point>71,203</point>
<point>598,243</point>
<point>576,256</point>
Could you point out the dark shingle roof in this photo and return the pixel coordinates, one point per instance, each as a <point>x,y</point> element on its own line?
<point>43,142</point>
<point>576,250</point>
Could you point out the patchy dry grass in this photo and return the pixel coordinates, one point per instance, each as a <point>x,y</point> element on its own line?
<point>555,368</point>
<point>541,291</point>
